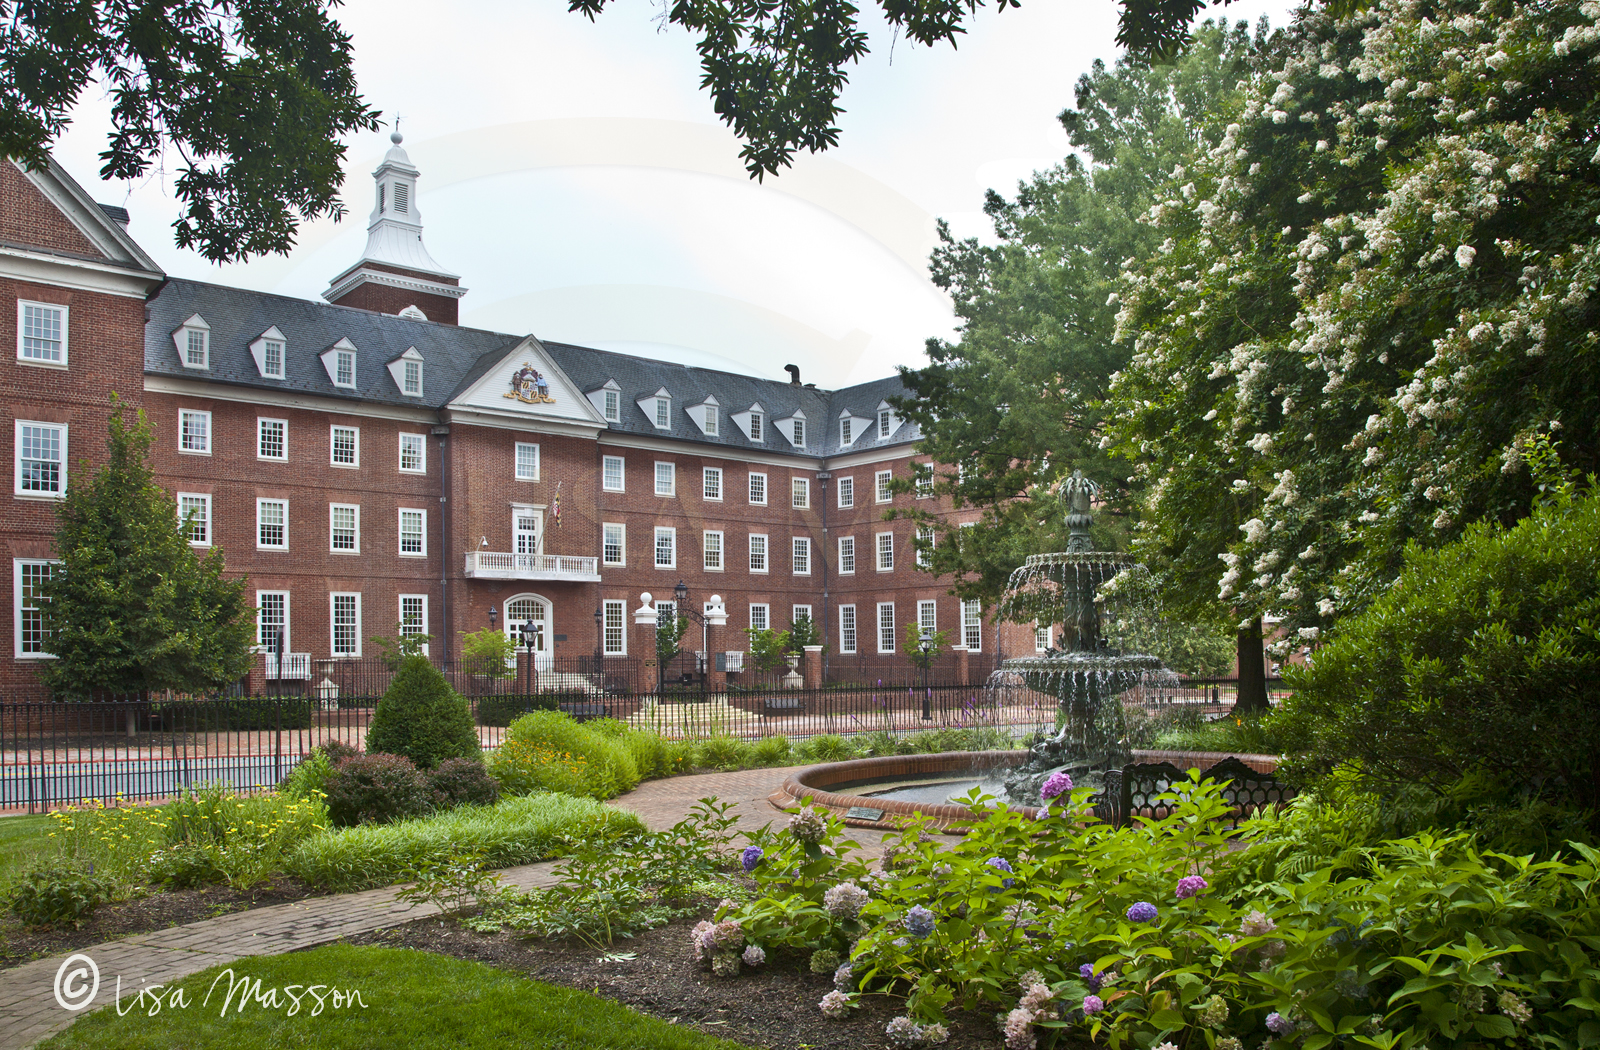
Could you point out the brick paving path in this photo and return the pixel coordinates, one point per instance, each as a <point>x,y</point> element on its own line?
<point>29,1011</point>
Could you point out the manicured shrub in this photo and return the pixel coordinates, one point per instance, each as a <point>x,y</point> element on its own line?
<point>827,747</point>
<point>651,752</point>
<point>462,782</point>
<point>522,767</point>
<point>58,896</point>
<point>772,751</point>
<point>308,778</point>
<point>422,718</point>
<point>603,766</point>
<point>338,751</point>
<point>724,752</point>
<point>376,789</point>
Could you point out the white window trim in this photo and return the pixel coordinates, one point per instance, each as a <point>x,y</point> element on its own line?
<point>705,475</point>
<point>878,551</point>
<point>422,442</point>
<point>182,412</point>
<point>655,547</point>
<point>766,552</point>
<point>722,550</point>
<point>847,482</point>
<point>258,351</point>
<point>205,501</point>
<point>799,488</point>
<point>928,605</point>
<point>622,545</point>
<point>611,401</point>
<point>22,304</point>
<point>333,628</point>
<point>621,608</point>
<point>880,489</point>
<point>893,625</point>
<point>795,546</point>
<point>273,459</point>
<point>400,618</point>
<point>851,571</point>
<point>332,428</point>
<point>967,626</point>
<point>672,479</point>
<point>400,514</point>
<point>350,506</point>
<point>180,340</point>
<point>516,462</point>
<point>622,474</point>
<point>16,608</point>
<point>16,461</point>
<point>330,364</point>
<point>285,544</point>
<point>855,629</point>
<point>758,427</point>
<point>750,488</point>
<point>766,615</point>
<point>397,372</point>
<point>925,553</point>
<point>288,632</point>
<point>923,473</point>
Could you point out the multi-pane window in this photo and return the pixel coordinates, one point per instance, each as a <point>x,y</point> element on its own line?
<point>755,426</point>
<point>272,524</point>
<point>346,446</point>
<point>196,344</point>
<point>666,548</point>
<point>847,492</point>
<point>972,626</point>
<point>413,532</point>
<point>799,612</point>
<point>663,413</point>
<point>614,543</point>
<point>272,439</point>
<point>611,473</point>
<point>613,403</point>
<point>799,493</point>
<point>666,613</point>
<point>413,454</point>
<point>1041,637</point>
<point>758,488</point>
<point>666,479</point>
<point>272,617</point>
<point>31,637</point>
<point>412,384</point>
<point>711,483</point>
<point>924,480</point>
<point>844,430</point>
<point>885,422</point>
<point>344,368</point>
<point>346,624</point>
<point>924,546</point>
<point>802,556</point>
<point>847,555</point>
<point>799,433</point>
<point>758,552</point>
<point>886,637</point>
<point>525,522</point>
<point>344,528</point>
<point>847,628</point>
<point>194,510</point>
<point>42,333</point>
<point>760,616</point>
<point>711,420</point>
<point>41,459</point>
<point>615,632</point>
<point>527,461</point>
<point>711,546</point>
<point>414,616</point>
<point>885,551</point>
<point>272,359</point>
<point>194,431</point>
<point>928,616</point>
<point>883,478</point>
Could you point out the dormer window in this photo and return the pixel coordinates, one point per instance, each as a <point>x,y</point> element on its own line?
<point>193,341</point>
<point>657,408</point>
<point>755,427</point>
<point>402,195</point>
<point>844,430</point>
<point>273,359</point>
<point>664,413</point>
<point>607,400</point>
<point>613,410</point>
<point>413,383</point>
<point>340,362</point>
<point>800,433</point>
<point>711,420</point>
<point>885,422</point>
<point>707,415</point>
<point>344,373</point>
<point>407,372</point>
<point>268,349</point>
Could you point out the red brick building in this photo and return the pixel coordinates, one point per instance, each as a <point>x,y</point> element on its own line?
<point>373,467</point>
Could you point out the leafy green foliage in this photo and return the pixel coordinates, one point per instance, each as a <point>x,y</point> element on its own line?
<point>724,752</point>
<point>669,636</point>
<point>422,718</point>
<point>130,608</point>
<point>825,747</point>
<point>489,652</point>
<point>58,896</point>
<point>924,655</point>
<point>376,789</point>
<point>550,744</point>
<point>234,88</point>
<point>768,648</point>
<point>804,632</point>
<point>452,884</point>
<point>393,650</point>
<point>462,782</point>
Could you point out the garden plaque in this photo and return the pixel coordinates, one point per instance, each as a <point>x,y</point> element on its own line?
<point>863,813</point>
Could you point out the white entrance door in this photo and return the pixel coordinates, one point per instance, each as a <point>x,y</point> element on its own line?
<point>535,611</point>
<point>527,530</point>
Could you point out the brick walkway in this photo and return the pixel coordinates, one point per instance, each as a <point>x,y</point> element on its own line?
<point>29,1011</point>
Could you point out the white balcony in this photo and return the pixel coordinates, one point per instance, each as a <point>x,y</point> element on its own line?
<point>295,666</point>
<point>494,565</point>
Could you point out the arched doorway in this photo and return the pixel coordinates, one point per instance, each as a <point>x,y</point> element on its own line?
<point>536,610</point>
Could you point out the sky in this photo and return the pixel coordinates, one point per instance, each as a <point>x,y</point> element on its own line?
<point>578,180</point>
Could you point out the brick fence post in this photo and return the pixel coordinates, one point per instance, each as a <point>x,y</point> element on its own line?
<point>963,664</point>
<point>811,667</point>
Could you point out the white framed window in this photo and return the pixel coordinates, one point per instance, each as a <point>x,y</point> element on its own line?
<point>614,543</point>
<point>1041,637</point>
<point>924,474</point>
<point>615,631</point>
<point>797,612</point>
<point>885,422</point>
<point>527,461</point>
<point>799,493</point>
<point>30,637</point>
<point>666,479</point>
<point>847,492</point>
<point>756,421</point>
<point>666,613</point>
<point>758,552</point>
<point>928,615</point>
<point>195,509</point>
<point>344,528</point>
<point>194,432</point>
<point>847,628</point>
<point>847,555</point>
<point>42,335</point>
<point>194,343</point>
<point>413,454</point>
<point>344,368</point>
<point>345,624</point>
<point>801,556</point>
<point>924,546</point>
<point>758,488</point>
<point>886,638</point>
<point>272,439</point>
<point>414,617</point>
<point>663,413</point>
<point>411,378</point>
<point>972,626</point>
<point>272,616</point>
<point>272,358</point>
<point>344,444</point>
<point>413,533</point>
<point>883,477</point>
<point>41,459</point>
<point>711,483</point>
<point>611,478</point>
<point>711,420</point>
<point>799,433</point>
<point>526,524</point>
<point>666,547</point>
<point>613,407</point>
<point>885,552</point>
<point>272,524</point>
<point>711,550</point>
<point>844,430</point>
<point>760,615</point>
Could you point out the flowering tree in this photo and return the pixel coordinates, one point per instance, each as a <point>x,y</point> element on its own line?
<point>1370,297</point>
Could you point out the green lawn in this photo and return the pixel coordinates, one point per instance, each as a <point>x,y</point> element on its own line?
<point>20,839</point>
<point>413,999</point>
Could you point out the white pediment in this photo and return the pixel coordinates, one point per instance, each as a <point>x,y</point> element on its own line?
<point>526,382</point>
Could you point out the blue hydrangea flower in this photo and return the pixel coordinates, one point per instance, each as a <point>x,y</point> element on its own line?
<point>1000,864</point>
<point>752,857</point>
<point>1143,911</point>
<point>1092,979</point>
<point>919,921</point>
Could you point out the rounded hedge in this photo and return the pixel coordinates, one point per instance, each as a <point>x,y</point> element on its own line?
<point>422,718</point>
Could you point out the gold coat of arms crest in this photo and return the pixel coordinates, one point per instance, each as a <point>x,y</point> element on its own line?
<point>528,385</point>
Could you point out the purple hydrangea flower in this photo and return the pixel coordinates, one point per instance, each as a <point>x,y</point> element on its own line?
<point>1092,1005</point>
<point>1278,1024</point>
<point>1190,885</point>
<point>752,857</point>
<point>1055,784</point>
<point>1092,979</point>
<point>919,922</point>
<point>1143,911</point>
<point>1001,864</point>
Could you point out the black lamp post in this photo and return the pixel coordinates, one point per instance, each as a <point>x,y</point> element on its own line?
<point>530,635</point>
<point>599,642</point>
<point>925,647</point>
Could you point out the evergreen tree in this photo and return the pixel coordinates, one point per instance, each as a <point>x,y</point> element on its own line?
<point>131,608</point>
<point>422,718</point>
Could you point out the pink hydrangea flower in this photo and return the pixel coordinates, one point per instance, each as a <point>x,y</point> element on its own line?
<point>1190,885</point>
